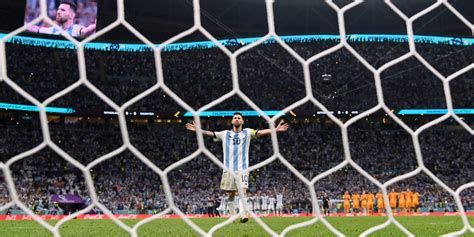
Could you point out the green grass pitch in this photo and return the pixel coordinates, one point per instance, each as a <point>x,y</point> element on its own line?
<point>350,226</point>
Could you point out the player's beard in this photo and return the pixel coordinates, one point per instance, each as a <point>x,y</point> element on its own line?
<point>61,20</point>
<point>237,127</point>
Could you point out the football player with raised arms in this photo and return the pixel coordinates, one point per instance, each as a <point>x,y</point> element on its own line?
<point>236,144</point>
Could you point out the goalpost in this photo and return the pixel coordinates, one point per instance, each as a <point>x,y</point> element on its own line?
<point>197,27</point>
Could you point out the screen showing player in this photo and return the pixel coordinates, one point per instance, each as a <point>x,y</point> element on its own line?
<point>76,17</point>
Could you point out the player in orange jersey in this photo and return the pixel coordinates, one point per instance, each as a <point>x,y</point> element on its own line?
<point>401,203</point>
<point>408,200</point>
<point>370,203</point>
<point>380,202</point>
<point>347,204</point>
<point>363,197</point>
<point>392,196</point>
<point>355,202</point>
<point>415,201</point>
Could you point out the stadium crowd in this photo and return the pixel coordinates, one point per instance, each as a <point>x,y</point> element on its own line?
<point>123,182</point>
<point>121,75</point>
<point>312,146</point>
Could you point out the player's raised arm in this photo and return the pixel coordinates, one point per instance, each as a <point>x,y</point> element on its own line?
<point>86,31</point>
<point>192,127</point>
<point>282,127</point>
<point>34,29</point>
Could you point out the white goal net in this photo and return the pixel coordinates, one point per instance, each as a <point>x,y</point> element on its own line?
<point>14,198</point>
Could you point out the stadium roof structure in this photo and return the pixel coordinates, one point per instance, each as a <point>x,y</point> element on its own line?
<point>225,19</point>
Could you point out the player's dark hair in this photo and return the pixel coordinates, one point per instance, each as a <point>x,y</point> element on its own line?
<point>71,3</point>
<point>238,113</point>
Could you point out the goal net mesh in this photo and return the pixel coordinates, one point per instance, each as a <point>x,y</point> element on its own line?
<point>309,96</point>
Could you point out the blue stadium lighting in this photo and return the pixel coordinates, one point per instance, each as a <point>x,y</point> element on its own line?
<point>228,113</point>
<point>208,44</point>
<point>58,110</point>
<point>245,113</point>
<point>433,111</point>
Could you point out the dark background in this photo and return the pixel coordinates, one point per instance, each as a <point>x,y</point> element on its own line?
<point>160,20</point>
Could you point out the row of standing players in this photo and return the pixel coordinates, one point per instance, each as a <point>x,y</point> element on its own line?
<point>405,201</point>
<point>365,203</point>
<point>260,203</point>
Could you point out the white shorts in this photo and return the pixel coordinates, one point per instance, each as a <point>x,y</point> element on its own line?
<point>228,183</point>
<point>250,206</point>
<point>279,206</point>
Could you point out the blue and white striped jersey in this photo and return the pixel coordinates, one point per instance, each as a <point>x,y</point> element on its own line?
<point>236,148</point>
<point>73,30</point>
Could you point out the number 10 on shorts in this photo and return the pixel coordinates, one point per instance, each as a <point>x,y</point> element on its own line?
<point>244,180</point>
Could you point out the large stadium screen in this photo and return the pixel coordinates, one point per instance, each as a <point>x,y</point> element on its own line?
<point>77,17</point>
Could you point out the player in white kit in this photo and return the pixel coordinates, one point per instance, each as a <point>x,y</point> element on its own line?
<point>265,203</point>
<point>236,144</point>
<point>256,206</point>
<point>223,205</point>
<point>271,204</point>
<point>279,202</point>
<point>250,203</point>
<point>258,202</point>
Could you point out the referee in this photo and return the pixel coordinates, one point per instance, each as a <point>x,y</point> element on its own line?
<point>325,199</point>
